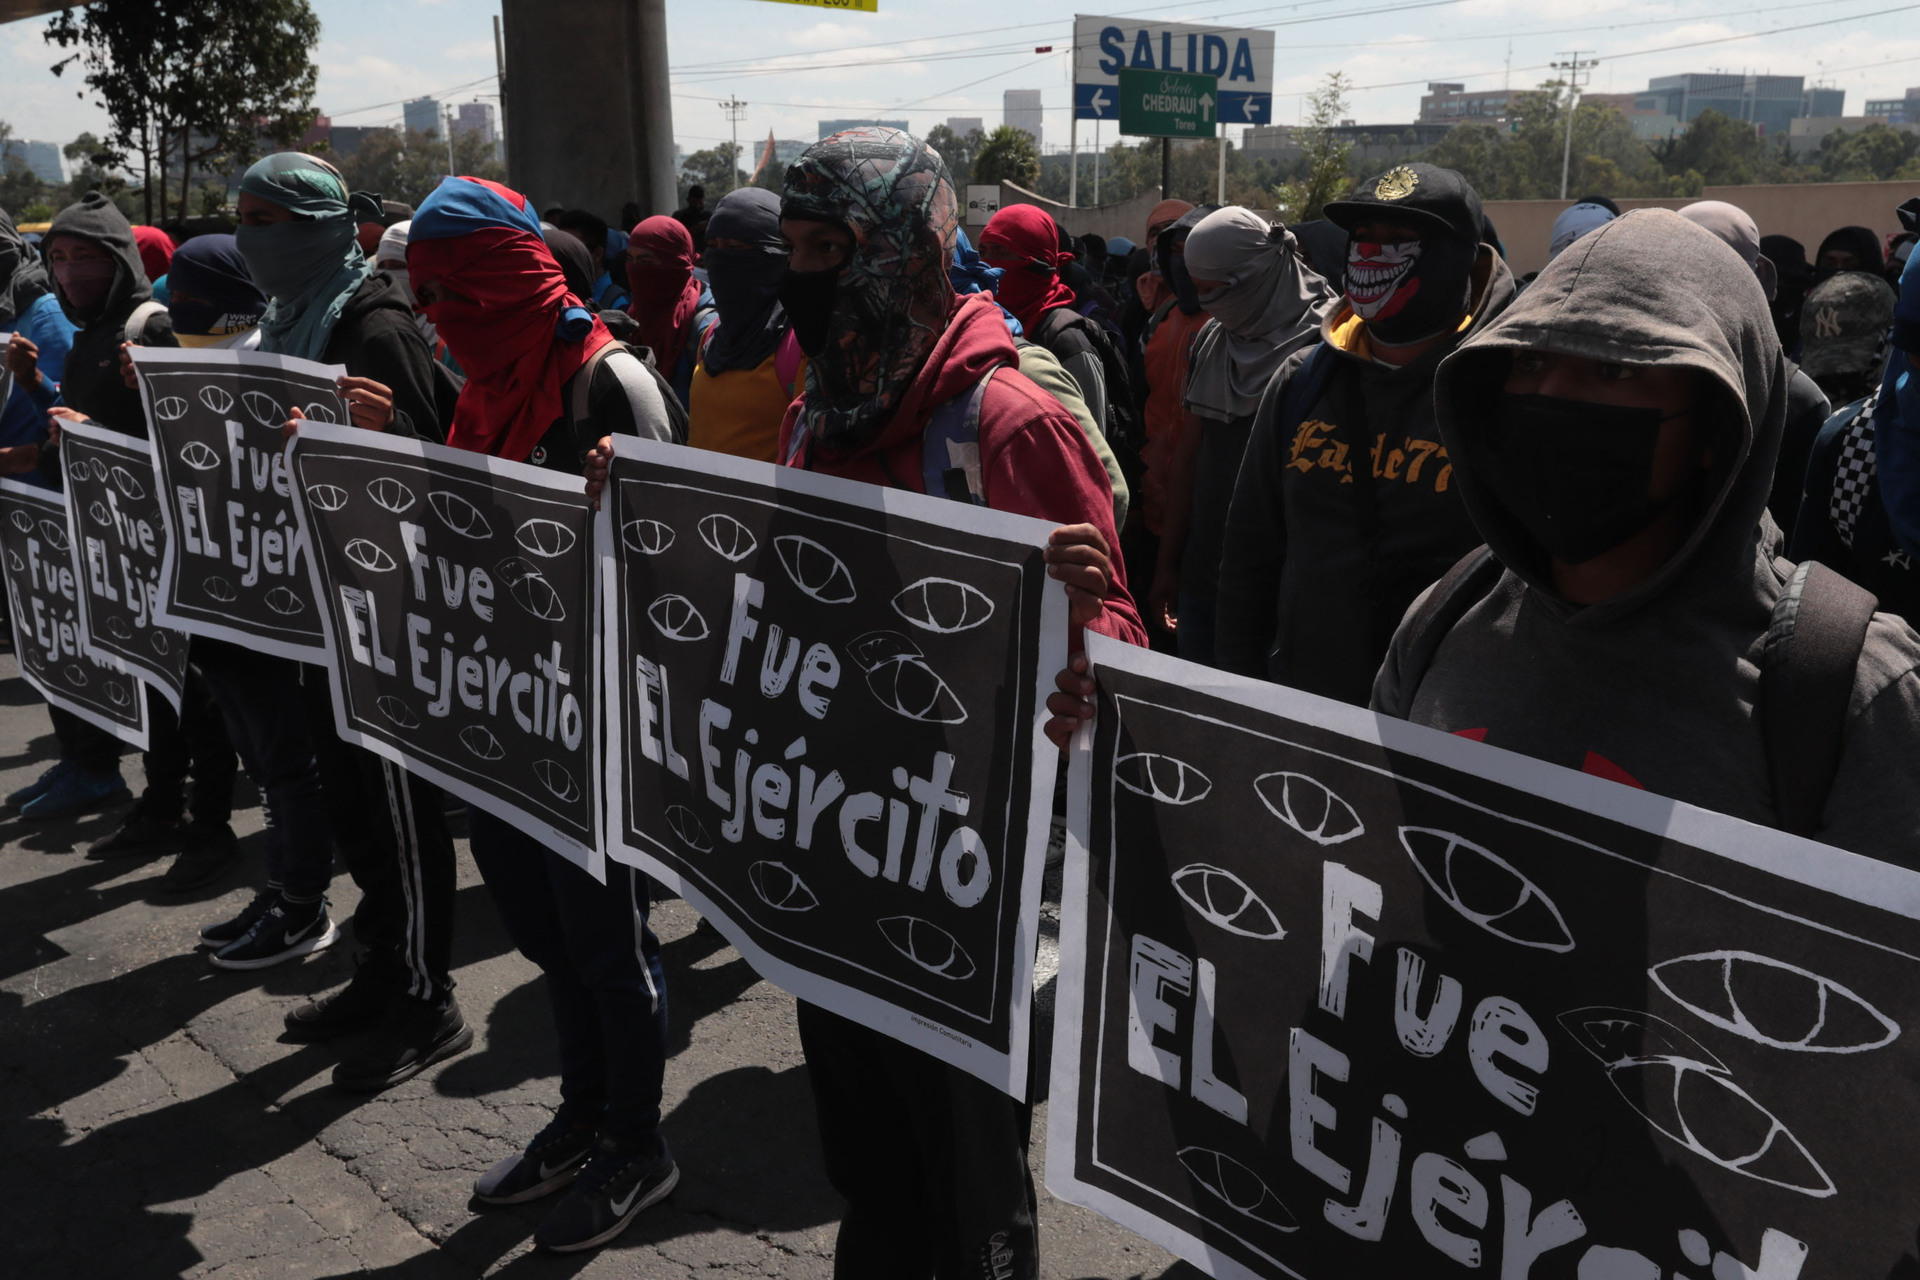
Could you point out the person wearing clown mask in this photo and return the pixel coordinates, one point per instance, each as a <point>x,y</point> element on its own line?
<point>1345,508</point>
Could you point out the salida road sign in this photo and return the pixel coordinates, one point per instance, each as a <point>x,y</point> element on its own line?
<point>1239,60</point>
<point>1166,104</point>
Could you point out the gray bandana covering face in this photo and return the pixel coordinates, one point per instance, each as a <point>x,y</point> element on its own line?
<point>1270,303</point>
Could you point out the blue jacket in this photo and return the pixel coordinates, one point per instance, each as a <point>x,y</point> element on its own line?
<point>23,420</point>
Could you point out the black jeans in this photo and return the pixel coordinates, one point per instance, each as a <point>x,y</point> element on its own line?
<point>931,1161</point>
<point>260,698</point>
<point>193,743</point>
<point>604,977</point>
<point>391,830</point>
<point>84,743</point>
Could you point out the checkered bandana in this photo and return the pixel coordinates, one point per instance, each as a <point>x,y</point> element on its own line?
<point>1853,476</point>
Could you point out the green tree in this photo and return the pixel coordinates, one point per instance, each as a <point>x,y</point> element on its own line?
<point>407,167</point>
<point>200,82</point>
<point>1722,150</point>
<point>1007,155</point>
<point>957,151</point>
<point>717,169</point>
<point>1874,154</point>
<point>1325,171</point>
<point>90,168</point>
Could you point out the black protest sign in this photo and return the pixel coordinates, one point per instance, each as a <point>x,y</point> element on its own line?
<point>1342,997</point>
<point>236,566</point>
<point>43,597</point>
<point>822,733</point>
<point>113,516</point>
<point>6,374</point>
<point>457,596</point>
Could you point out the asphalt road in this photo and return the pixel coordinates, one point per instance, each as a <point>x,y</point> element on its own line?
<point>154,1124</point>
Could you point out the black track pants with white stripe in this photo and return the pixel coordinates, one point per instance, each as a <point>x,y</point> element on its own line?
<point>391,829</point>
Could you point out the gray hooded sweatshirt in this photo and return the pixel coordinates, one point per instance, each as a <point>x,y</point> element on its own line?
<point>1659,686</point>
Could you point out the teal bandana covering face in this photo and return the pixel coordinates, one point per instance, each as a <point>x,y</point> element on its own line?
<point>310,266</point>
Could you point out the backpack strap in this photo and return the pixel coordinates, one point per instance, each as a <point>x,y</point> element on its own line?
<point>1304,390</point>
<point>1470,581</point>
<point>654,417</point>
<point>1807,671</point>
<point>577,411</point>
<point>137,320</point>
<point>950,448</point>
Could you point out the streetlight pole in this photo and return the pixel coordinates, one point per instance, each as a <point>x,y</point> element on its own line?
<point>448,126</point>
<point>736,112</point>
<point>1575,67</point>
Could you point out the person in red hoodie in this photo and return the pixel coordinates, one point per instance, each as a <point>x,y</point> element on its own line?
<point>931,1161</point>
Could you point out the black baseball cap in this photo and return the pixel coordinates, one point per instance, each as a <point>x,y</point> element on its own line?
<point>1423,196</point>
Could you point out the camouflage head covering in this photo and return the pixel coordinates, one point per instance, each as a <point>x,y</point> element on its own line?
<point>892,191</point>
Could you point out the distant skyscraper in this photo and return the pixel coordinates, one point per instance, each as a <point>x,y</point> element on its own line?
<point>42,158</point>
<point>1021,108</point>
<point>423,115</point>
<point>964,125</point>
<point>474,117</point>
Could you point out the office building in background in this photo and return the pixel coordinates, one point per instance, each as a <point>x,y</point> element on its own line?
<point>1021,109</point>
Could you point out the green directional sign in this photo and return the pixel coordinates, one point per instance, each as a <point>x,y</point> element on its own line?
<point>1167,104</point>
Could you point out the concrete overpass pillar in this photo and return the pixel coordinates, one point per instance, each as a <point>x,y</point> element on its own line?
<point>589,107</point>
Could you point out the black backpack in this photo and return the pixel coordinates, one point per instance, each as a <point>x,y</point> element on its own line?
<point>1125,428</point>
<point>1807,667</point>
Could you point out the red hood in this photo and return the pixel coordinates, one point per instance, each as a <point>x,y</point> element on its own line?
<point>975,340</point>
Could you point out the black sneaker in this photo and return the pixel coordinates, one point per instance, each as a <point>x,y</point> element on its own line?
<point>221,932</point>
<point>287,931</point>
<point>551,1161</point>
<point>355,1007</point>
<point>412,1036</point>
<point>151,828</point>
<point>205,851</point>
<point>619,1180</point>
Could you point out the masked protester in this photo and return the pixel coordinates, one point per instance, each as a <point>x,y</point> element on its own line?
<point>1807,407</point>
<point>603,246</point>
<point>1166,341</point>
<point>1023,244</point>
<point>970,274</point>
<point>1848,249</point>
<point>1789,259</point>
<point>576,264</point>
<point>492,287</point>
<point>1575,221</point>
<point>931,1161</point>
<point>156,250</point>
<point>299,235</point>
<point>673,309</point>
<point>750,363</point>
<point>1895,424</point>
<point>215,303</point>
<point>1266,304</point>
<point>1849,318</point>
<point>1345,508</point>
<point>36,355</point>
<point>1619,621</point>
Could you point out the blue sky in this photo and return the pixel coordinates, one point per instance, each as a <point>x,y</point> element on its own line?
<point>926,60</point>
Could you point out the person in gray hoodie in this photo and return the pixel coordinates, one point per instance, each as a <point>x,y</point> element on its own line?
<point>1613,434</point>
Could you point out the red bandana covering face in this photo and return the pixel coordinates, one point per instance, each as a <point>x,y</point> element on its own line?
<point>665,295</point>
<point>1023,242</point>
<point>503,327</point>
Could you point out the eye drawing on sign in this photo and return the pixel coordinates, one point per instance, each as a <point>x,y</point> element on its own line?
<point>687,826</point>
<point>265,409</point>
<point>775,884</point>
<point>459,515</point>
<point>199,455</point>
<point>1225,900</point>
<point>675,618</point>
<point>557,780</point>
<point>943,606</point>
<point>530,589</point>
<point>1687,1094</point>
<point>479,739</point>
<point>1486,889</point>
<point>56,536</point>
<point>76,675</point>
<point>1243,1190</point>
<point>815,570</point>
<point>1163,778</point>
<point>14,562</point>
<point>396,710</point>
<point>546,538</point>
<point>99,469</point>
<point>116,693</point>
<point>320,413</point>
<point>1831,1018</point>
<point>390,495</point>
<point>125,481</point>
<point>1309,806</point>
<point>216,399</point>
<point>220,589</point>
<point>119,627</point>
<point>901,679</point>
<point>368,555</point>
<point>77,470</point>
<point>327,497</point>
<point>170,408</point>
<point>158,639</point>
<point>97,512</point>
<point>927,945</point>
<point>648,537</point>
<point>727,537</point>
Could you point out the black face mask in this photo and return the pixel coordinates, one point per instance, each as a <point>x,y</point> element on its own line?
<point>1575,475</point>
<point>809,298</point>
<point>744,281</point>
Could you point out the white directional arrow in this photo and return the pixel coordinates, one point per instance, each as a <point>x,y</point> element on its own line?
<point>1253,109</point>
<point>1099,102</point>
<point>1206,106</point>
